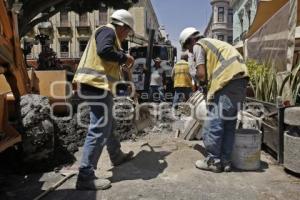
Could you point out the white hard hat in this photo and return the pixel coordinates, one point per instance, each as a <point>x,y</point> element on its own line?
<point>122,17</point>
<point>186,33</point>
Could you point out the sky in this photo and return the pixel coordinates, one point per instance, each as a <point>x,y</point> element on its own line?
<point>176,15</point>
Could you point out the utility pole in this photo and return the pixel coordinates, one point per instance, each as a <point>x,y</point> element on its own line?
<point>149,59</point>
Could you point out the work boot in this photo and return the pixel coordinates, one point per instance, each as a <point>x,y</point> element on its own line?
<point>92,183</point>
<point>209,164</point>
<point>122,158</point>
<point>227,166</point>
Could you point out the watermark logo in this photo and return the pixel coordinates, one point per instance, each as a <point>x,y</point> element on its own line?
<point>103,110</point>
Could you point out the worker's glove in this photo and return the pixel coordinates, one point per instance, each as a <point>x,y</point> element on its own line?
<point>203,87</point>
<point>203,90</point>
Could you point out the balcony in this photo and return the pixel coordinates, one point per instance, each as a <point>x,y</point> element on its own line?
<point>220,26</point>
<point>64,54</point>
<point>64,27</point>
<point>216,1</point>
<point>83,27</point>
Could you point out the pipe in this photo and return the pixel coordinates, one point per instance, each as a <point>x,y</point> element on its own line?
<point>56,185</point>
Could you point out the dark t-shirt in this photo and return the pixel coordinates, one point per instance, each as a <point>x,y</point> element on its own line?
<point>105,40</point>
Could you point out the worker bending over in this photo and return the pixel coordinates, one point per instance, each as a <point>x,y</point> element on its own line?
<point>221,69</point>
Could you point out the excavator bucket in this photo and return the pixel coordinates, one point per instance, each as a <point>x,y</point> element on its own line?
<point>52,84</point>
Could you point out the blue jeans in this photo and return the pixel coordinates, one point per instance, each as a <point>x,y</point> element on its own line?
<point>182,94</point>
<point>99,131</point>
<point>157,93</point>
<point>219,128</point>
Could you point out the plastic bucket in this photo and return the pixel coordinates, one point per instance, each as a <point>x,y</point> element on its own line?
<point>246,149</point>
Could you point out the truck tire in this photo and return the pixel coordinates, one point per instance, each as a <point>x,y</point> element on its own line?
<point>38,129</point>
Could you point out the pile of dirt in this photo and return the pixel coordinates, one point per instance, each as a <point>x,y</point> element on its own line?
<point>38,128</point>
<point>161,118</point>
<point>71,132</point>
<point>124,114</point>
<point>50,142</point>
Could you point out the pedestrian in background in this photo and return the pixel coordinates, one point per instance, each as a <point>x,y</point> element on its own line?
<point>182,79</point>
<point>157,82</point>
<point>220,69</point>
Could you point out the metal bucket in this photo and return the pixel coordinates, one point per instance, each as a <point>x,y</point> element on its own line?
<point>246,150</point>
<point>291,152</point>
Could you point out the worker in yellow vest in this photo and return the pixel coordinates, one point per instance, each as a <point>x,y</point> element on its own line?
<point>220,69</point>
<point>98,73</point>
<point>182,79</point>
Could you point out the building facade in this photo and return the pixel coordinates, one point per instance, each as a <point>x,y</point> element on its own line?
<point>221,20</point>
<point>145,20</point>
<point>244,12</point>
<point>69,32</point>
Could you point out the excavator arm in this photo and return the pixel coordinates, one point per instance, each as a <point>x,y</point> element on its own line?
<point>12,63</point>
<point>12,66</point>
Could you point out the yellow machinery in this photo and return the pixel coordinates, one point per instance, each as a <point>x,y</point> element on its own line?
<point>16,81</point>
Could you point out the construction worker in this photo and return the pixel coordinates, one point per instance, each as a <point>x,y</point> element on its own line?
<point>97,72</point>
<point>220,69</point>
<point>157,82</point>
<point>182,80</point>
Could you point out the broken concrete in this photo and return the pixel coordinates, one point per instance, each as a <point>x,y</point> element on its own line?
<point>124,115</point>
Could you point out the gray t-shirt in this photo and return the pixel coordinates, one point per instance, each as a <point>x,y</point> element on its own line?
<point>199,58</point>
<point>199,55</point>
<point>157,77</point>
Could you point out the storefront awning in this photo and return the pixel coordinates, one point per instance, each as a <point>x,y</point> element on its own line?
<point>265,10</point>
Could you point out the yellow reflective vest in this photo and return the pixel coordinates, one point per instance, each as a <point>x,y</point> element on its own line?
<point>223,63</point>
<point>181,74</point>
<point>95,71</point>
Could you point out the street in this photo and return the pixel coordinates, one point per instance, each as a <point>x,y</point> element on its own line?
<point>163,168</point>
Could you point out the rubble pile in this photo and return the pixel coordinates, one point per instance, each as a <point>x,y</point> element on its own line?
<point>161,118</point>
<point>70,135</point>
<point>37,125</point>
<point>124,115</point>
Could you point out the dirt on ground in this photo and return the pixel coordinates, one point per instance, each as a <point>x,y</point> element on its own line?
<point>163,168</point>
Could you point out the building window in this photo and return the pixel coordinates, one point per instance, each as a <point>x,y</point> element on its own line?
<point>241,18</point>
<point>221,37</point>
<point>220,14</point>
<point>249,16</point>
<point>82,46</point>
<point>230,16</point>
<point>102,16</point>
<point>64,49</point>
<point>83,19</point>
<point>248,6</point>
<point>64,18</point>
<point>229,39</point>
<point>27,49</point>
